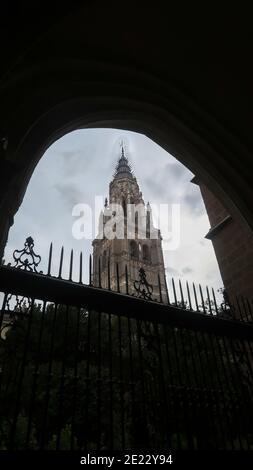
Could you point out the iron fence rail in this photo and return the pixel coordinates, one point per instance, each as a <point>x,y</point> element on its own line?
<point>37,286</point>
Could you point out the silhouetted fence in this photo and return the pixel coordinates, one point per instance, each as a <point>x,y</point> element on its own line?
<point>83,367</point>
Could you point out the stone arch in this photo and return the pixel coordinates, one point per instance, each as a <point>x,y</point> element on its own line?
<point>46,112</point>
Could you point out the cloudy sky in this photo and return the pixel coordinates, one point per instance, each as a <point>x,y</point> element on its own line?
<point>78,167</point>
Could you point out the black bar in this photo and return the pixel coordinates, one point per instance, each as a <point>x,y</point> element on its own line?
<point>90,270</point>
<point>20,379</point>
<point>99,272</point>
<point>108,275</point>
<point>81,268</point>
<point>126,279</point>
<point>160,290</point>
<point>181,293</point>
<point>167,291</point>
<point>117,277</point>
<point>209,301</point>
<point>195,297</point>
<point>35,376</point>
<point>71,265</point>
<point>49,378</point>
<point>75,378</point>
<point>189,295</point>
<point>62,291</point>
<point>61,261</point>
<point>50,259</point>
<point>215,303</point>
<point>174,292</point>
<point>202,299</point>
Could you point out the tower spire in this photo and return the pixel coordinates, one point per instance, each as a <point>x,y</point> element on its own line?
<point>123,168</point>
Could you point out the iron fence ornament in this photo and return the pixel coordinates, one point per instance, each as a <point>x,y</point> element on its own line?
<point>143,288</point>
<point>26,258</point>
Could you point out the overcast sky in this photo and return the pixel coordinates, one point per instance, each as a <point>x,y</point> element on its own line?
<point>80,166</point>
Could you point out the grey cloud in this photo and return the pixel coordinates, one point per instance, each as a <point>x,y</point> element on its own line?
<point>187,270</point>
<point>155,189</point>
<point>69,194</point>
<point>176,170</point>
<point>194,203</point>
<point>172,271</point>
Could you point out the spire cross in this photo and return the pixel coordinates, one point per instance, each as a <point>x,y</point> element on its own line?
<point>122,149</point>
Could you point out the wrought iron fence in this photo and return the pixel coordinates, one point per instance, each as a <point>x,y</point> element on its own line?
<point>83,367</point>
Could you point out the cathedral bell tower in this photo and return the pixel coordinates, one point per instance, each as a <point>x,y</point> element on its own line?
<point>139,245</point>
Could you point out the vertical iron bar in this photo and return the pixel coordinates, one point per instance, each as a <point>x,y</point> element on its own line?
<point>99,272</point>
<point>126,279</point>
<point>239,308</point>
<point>244,309</point>
<point>220,377</point>
<point>202,299</point>
<point>213,385</point>
<point>35,377</point>
<point>62,380</point>
<point>143,401</point>
<point>198,391</point>
<point>183,390</point>
<point>75,379</point>
<point>238,384</point>
<point>225,377</point>
<point>110,380</point>
<point>209,301</point>
<point>61,261</point>
<point>21,378</point>
<point>195,297</point>
<point>160,289</point>
<point>181,294</point>
<point>81,268</point>
<point>71,265</point>
<point>3,310</point>
<point>189,295</point>
<point>1,323</point>
<point>131,371</point>
<point>174,292</point>
<point>233,391</point>
<point>249,309</point>
<point>163,388</point>
<point>87,378</point>
<point>108,275</point>
<point>49,379</point>
<point>117,276</point>
<point>166,290</point>
<point>50,259</point>
<point>99,383</point>
<point>172,385</point>
<point>121,386</point>
<point>187,387</point>
<point>90,270</point>
<point>215,303</point>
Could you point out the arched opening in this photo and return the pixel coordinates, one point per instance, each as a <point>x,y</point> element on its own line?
<point>145,253</point>
<point>115,74</point>
<point>205,161</point>
<point>124,206</point>
<point>104,260</point>
<point>134,250</point>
